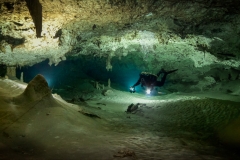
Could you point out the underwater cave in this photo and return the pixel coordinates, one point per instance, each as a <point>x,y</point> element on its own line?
<point>99,80</point>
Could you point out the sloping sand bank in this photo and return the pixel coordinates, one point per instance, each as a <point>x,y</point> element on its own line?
<point>37,124</point>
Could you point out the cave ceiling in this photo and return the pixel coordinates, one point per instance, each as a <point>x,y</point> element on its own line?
<point>200,32</point>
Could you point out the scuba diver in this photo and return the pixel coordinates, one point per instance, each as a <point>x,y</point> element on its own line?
<point>149,80</point>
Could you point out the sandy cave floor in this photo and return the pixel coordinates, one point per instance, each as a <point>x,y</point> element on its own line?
<point>171,126</point>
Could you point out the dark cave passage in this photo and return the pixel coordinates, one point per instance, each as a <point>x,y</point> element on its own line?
<point>71,72</point>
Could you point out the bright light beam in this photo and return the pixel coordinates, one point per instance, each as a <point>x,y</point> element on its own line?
<point>148,91</point>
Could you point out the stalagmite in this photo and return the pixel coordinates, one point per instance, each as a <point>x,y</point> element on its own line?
<point>21,78</point>
<point>11,71</point>
<point>97,86</point>
<point>109,83</point>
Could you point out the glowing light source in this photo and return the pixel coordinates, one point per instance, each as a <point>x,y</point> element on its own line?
<point>49,80</point>
<point>148,91</point>
<point>132,89</point>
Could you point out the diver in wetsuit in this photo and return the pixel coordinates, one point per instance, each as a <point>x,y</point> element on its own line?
<point>149,80</point>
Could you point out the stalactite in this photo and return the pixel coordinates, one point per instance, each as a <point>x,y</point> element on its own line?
<point>35,9</point>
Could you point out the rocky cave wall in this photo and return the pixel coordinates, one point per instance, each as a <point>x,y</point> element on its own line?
<point>201,38</point>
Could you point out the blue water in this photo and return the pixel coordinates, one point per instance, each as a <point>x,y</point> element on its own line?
<point>123,75</point>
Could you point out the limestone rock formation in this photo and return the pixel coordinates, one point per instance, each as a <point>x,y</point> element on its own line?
<point>35,91</point>
<point>200,38</point>
<point>204,32</point>
<point>35,9</point>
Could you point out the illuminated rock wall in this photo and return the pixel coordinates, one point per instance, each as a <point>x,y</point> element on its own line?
<point>195,37</point>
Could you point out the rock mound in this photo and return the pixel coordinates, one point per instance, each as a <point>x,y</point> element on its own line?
<point>36,90</point>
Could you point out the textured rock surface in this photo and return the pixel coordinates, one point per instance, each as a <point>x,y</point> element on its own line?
<point>198,37</point>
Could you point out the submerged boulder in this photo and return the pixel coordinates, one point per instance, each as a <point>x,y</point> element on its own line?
<point>36,90</point>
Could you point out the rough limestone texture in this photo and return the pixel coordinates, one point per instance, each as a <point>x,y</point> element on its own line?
<point>195,37</point>
<point>35,91</point>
